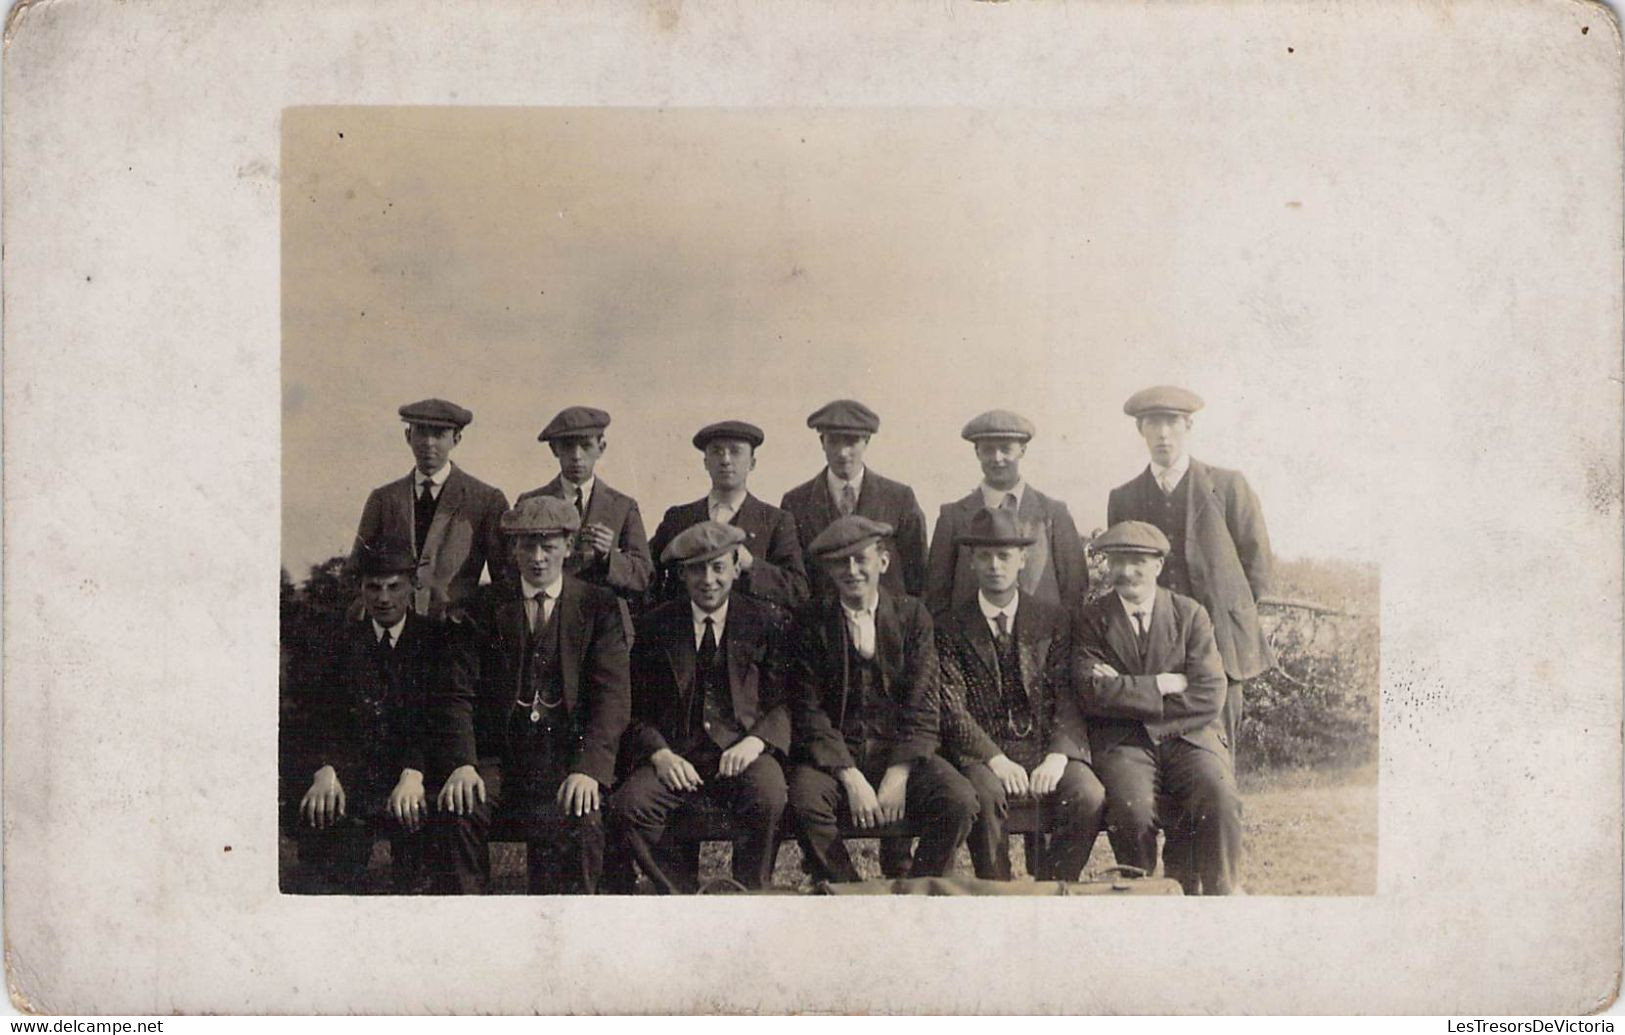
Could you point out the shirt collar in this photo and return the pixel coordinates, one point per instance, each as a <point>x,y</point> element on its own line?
<point>735,499</point>
<point>551,590</point>
<point>836,483</point>
<point>990,611</point>
<point>571,488</point>
<point>1177,468</point>
<point>394,630</point>
<point>993,498</point>
<point>439,477</point>
<point>1130,609</point>
<point>719,617</point>
<point>867,611</point>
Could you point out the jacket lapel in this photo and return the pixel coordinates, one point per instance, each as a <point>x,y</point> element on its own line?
<point>740,638</point>
<point>511,620</point>
<point>1120,634</point>
<point>1197,499</point>
<point>680,655</point>
<point>451,498</point>
<point>888,641</point>
<point>1161,653</point>
<point>572,636</point>
<point>824,506</point>
<point>1031,650</point>
<point>981,638</point>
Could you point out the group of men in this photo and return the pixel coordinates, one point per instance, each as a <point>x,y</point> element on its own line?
<point>805,668</point>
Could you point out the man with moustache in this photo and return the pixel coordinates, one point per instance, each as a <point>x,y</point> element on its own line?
<point>448,516</point>
<point>611,549</point>
<point>1010,716</point>
<point>368,741</point>
<point>1152,686</point>
<point>1220,548</point>
<point>864,693</point>
<point>709,719</point>
<point>770,566</point>
<point>847,485</point>
<point>1056,569</point>
<point>538,742</point>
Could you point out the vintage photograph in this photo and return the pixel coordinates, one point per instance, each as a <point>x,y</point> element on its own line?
<point>808,501</point>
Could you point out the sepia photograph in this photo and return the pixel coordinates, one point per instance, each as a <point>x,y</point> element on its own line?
<point>755,397</point>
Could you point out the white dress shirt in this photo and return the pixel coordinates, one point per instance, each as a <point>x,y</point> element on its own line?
<point>585,488</point>
<point>1168,477</point>
<point>723,508</point>
<point>719,620</point>
<point>993,498</point>
<point>437,481</point>
<point>992,611</point>
<point>393,632</point>
<point>1132,609</point>
<point>861,626</point>
<point>837,485</point>
<point>548,599</point>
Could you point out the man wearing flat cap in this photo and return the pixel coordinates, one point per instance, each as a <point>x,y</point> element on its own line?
<point>539,742</point>
<point>366,740</point>
<point>1056,569</point>
<point>1220,549</point>
<point>864,704</point>
<point>709,717</point>
<point>611,549</point>
<point>847,485</point>
<point>770,565</point>
<point>1010,715</point>
<point>1151,683</point>
<point>447,516</point>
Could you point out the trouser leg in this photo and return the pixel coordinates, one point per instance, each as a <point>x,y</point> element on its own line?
<point>333,860</point>
<point>638,813</point>
<point>988,843</point>
<point>565,853</point>
<point>896,856</point>
<point>1234,705</point>
<point>1078,808</point>
<point>1204,784</point>
<point>942,805</point>
<point>815,801</point>
<point>1128,772</point>
<point>755,800</point>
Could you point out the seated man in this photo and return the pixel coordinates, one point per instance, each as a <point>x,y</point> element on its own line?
<point>864,708</point>
<point>552,702</point>
<point>708,716</point>
<point>1010,717</point>
<point>366,742</point>
<point>1153,688</point>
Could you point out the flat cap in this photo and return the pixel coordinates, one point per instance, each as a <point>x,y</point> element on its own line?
<point>994,528</point>
<point>702,542</point>
<point>846,536</point>
<point>1162,399</point>
<point>734,429</point>
<point>845,415</point>
<point>1132,537</point>
<point>541,515</point>
<point>575,420</point>
<point>436,413</point>
<point>385,555</point>
<point>999,424</point>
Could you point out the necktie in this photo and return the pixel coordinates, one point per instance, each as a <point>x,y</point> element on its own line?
<point>580,509</point>
<point>1009,502</point>
<point>1003,622</point>
<point>849,500</point>
<point>708,642</point>
<point>423,512</point>
<point>1140,638</point>
<point>538,609</point>
<point>1167,483</point>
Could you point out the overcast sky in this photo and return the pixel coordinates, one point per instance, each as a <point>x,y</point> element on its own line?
<point>681,267</point>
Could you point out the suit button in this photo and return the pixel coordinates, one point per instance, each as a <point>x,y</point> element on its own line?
<point>707,725</point>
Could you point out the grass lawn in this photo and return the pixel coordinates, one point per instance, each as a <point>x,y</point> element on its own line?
<point>1307,833</point>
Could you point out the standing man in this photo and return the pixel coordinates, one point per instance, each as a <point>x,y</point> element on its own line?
<point>770,565</point>
<point>1056,569</point>
<point>864,693</point>
<point>1220,549</point>
<point>709,717</point>
<point>449,517</point>
<point>1152,686</point>
<point>539,742</point>
<point>611,549</point>
<point>845,486</point>
<point>367,743</point>
<point>1010,716</point>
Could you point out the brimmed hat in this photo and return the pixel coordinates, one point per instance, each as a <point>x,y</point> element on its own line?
<point>1132,537</point>
<point>734,429</point>
<point>847,415</point>
<point>702,542</point>
<point>846,536</point>
<point>385,555</point>
<point>999,424</point>
<point>436,413</point>
<point>996,527</point>
<point>575,420</point>
<point>1162,399</point>
<point>541,515</point>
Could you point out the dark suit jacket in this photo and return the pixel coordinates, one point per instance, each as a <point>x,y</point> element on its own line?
<point>464,537</point>
<point>1056,570</point>
<point>628,568</point>
<point>881,499</point>
<point>820,684</point>
<point>594,661</point>
<point>353,721</point>
<point>776,573</point>
<point>1227,553</point>
<point>973,708</point>
<point>663,685</point>
<point>1180,641</point>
